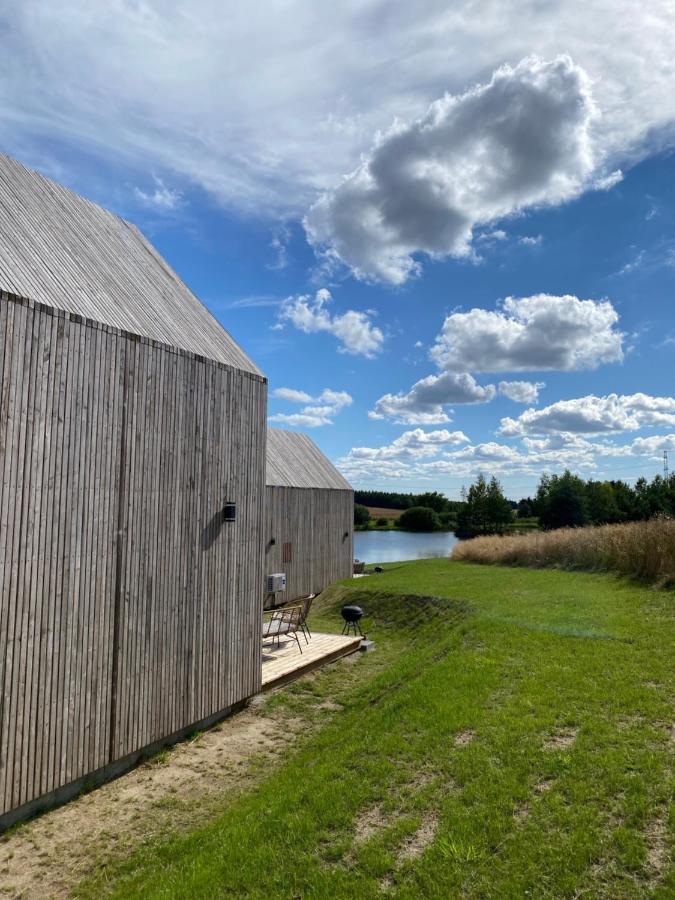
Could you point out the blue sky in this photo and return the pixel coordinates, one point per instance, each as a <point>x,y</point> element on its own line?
<point>450,248</point>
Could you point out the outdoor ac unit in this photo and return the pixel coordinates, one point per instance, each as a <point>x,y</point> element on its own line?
<point>276,583</point>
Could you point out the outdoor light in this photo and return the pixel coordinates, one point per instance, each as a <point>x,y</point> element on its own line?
<point>229,512</point>
<point>272,542</point>
<point>345,536</point>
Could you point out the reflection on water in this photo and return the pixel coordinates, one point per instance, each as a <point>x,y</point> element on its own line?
<point>393,546</point>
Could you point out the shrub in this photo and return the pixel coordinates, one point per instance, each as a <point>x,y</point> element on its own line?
<point>419,518</point>
<point>361,514</point>
<point>643,550</point>
<point>448,520</point>
<point>383,520</point>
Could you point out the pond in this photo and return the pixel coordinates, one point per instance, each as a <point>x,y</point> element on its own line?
<point>394,546</point>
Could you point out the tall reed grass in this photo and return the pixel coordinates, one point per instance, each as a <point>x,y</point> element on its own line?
<point>642,550</point>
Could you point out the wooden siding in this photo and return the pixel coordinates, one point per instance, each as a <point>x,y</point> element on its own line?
<point>129,610</point>
<point>314,522</point>
<point>59,249</point>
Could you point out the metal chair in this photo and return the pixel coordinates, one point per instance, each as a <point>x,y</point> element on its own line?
<point>283,621</point>
<point>306,605</point>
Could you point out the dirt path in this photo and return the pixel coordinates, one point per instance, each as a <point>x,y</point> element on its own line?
<point>49,855</point>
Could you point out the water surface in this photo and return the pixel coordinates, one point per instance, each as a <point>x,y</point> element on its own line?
<point>394,546</point>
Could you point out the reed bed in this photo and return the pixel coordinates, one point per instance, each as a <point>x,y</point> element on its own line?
<point>641,550</point>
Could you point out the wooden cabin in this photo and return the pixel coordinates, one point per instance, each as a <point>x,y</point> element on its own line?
<point>132,467</point>
<point>309,517</point>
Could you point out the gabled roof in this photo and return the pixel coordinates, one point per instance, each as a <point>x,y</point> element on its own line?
<point>59,249</point>
<point>294,460</point>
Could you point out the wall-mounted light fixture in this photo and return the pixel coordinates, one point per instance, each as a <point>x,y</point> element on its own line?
<point>345,536</point>
<point>229,512</point>
<point>272,542</point>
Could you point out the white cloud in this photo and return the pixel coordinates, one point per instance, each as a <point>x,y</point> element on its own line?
<point>531,334</point>
<point>302,420</point>
<point>530,240</point>
<point>593,415</point>
<point>521,391</point>
<point>162,198</point>
<point>653,446</point>
<point>412,445</point>
<point>424,403</point>
<point>355,331</point>
<point>253,302</point>
<point>265,106</point>
<point>291,395</point>
<point>607,182</point>
<point>633,264</point>
<point>429,462</point>
<point>521,140</point>
<point>279,244</point>
<point>490,236</point>
<point>320,410</point>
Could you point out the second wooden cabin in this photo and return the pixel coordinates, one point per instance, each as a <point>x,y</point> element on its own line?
<point>309,515</point>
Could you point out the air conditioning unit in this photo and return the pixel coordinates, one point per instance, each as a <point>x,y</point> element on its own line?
<point>276,583</point>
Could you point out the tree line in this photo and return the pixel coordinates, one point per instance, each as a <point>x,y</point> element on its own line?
<point>391,500</point>
<point>561,501</point>
<point>568,501</point>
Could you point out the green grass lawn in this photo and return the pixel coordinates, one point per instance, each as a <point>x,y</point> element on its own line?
<point>510,737</point>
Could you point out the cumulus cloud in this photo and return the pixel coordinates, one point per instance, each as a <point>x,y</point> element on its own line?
<point>653,446</point>
<point>291,395</point>
<point>593,415</point>
<point>522,139</point>
<point>424,403</point>
<point>531,334</point>
<point>354,330</point>
<point>320,410</point>
<point>428,461</point>
<point>491,236</point>
<point>414,444</point>
<point>521,391</point>
<point>530,240</point>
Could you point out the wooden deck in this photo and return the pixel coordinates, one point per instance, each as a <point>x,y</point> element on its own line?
<point>284,663</point>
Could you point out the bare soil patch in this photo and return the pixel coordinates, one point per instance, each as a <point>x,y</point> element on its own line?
<point>544,785</point>
<point>368,823</point>
<point>417,843</point>
<point>561,740</point>
<point>49,855</point>
<point>658,851</point>
<point>464,738</point>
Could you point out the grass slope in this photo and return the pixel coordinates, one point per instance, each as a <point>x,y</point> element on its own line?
<point>512,736</point>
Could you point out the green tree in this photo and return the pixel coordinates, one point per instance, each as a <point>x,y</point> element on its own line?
<point>361,515</point>
<point>487,511</point>
<point>525,510</point>
<point>562,501</point>
<point>602,506</point>
<point>433,500</point>
<point>419,518</point>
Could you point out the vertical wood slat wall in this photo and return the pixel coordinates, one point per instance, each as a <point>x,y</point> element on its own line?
<point>314,521</point>
<point>128,609</point>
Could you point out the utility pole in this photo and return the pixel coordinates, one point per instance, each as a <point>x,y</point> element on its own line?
<point>665,464</point>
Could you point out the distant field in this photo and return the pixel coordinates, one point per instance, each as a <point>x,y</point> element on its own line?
<point>377,511</point>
